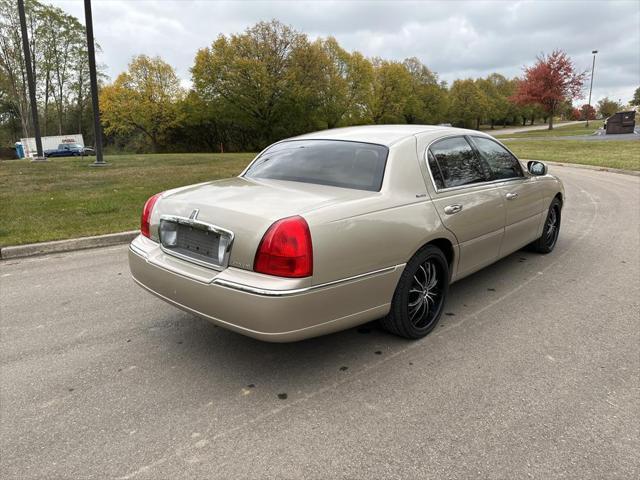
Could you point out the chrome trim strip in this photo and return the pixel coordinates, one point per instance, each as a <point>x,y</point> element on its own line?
<point>470,185</point>
<point>192,222</point>
<point>199,224</point>
<point>479,184</point>
<point>269,292</point>
<point>283,293</point>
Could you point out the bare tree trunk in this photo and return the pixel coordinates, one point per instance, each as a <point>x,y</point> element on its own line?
<point>47,82</point>
<point>25,117</point>
<point>80,102</point>
<point>59,109</point>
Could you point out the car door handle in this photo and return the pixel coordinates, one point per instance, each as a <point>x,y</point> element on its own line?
<point>451,209</point>
<point>511,196</point>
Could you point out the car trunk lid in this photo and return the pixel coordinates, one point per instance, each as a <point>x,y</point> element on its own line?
<point>244,207</point>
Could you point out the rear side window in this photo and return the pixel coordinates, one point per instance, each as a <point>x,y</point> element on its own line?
<point>325,162</point>
<point>501,163</point>
<point>435,170</point>
<point>457,163</point>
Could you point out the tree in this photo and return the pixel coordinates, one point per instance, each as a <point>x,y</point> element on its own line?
<point>515,112</point>
<point>143,99</point>
<point>635,101</point>
<point>392,92</point>
<point>576,114</point>
<point>587,112</point>
<point>256,77</point>
<point>551,81</point>
<point>467,103</point>
<point>12,60</point>
<point>343,85</point>
<point>428,100</point>
<point>57,47</point>
<point>607,107</point>
<point>493,88</point>
<point>10,127</point>
<point>565,110</point>
<point>70,40</point>
<point>435,100</point>
<point>503,89</point>
<point>202,128</point>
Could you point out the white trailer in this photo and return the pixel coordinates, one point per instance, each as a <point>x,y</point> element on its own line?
<point>49,143</point>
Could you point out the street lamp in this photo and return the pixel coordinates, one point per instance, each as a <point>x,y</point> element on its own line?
<point>593,66</point>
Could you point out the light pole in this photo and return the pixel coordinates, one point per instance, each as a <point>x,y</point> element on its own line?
<point>593,66</point>
<point>97,132</point>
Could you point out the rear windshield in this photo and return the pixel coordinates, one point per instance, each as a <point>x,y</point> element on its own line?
<point>324,162</point>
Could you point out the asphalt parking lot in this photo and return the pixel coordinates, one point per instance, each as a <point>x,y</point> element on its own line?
<point>533,372</point>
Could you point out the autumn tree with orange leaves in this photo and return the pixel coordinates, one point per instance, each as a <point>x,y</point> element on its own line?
<point>550,82</point>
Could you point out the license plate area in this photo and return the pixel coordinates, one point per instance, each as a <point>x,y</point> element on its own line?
<point>198,242</point>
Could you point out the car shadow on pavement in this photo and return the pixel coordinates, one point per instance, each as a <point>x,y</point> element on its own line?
<point>293,368</point>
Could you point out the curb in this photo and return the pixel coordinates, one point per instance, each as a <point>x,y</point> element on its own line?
<point>634,173</point>
<point>57,246</point>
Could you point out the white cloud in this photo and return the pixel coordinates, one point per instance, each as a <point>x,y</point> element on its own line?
<point>455,38</point>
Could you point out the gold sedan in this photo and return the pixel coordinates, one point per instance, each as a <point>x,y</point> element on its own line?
<point>336,228</point>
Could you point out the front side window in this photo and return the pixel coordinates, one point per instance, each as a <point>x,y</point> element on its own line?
<point>325,162</point>
<point>457,163</point>
<point>502,164</point>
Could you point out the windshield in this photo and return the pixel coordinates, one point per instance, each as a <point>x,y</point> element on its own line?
<point>324,162</point>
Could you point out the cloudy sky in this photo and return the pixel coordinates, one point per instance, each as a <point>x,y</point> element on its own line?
<point>454,38</point>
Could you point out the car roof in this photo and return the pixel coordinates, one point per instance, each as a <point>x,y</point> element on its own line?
<point>384,134</point>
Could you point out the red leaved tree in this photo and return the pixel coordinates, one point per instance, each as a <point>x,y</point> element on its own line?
<point>550,82</point>
<point>587,112</point>
<point>576,114</point>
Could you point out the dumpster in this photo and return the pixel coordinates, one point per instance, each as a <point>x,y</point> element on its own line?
<point>621,122</point>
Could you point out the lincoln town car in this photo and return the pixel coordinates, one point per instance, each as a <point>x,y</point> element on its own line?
<point>332,229</point>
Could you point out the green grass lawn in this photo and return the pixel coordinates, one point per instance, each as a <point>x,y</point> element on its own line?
<point>65,198</point>
<point>623,154</point>
<point>560,130</point>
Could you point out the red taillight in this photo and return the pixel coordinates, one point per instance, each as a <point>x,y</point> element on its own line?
<point>146,215</point>
<point>285,250</point>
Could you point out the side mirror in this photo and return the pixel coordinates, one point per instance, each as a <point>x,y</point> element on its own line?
<point>536,168</point>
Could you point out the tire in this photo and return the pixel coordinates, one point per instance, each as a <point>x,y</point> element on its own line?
<point>420,295</point>
<point>547,241</point>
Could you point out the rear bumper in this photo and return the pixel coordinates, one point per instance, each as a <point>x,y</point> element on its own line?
<point>260,306</point>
